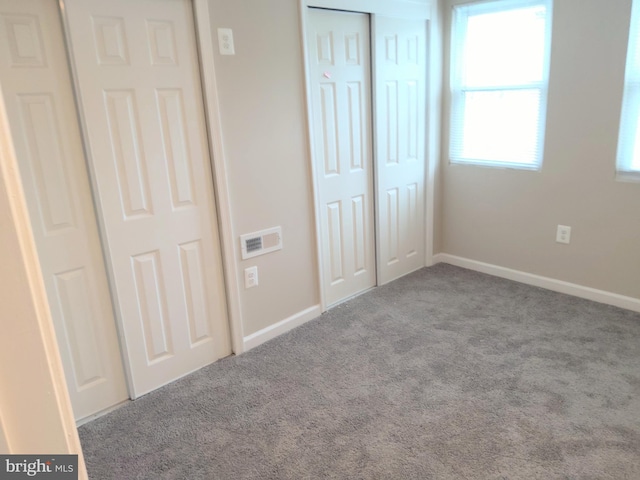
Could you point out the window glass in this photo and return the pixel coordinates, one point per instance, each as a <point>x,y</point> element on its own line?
<point>499,70</point>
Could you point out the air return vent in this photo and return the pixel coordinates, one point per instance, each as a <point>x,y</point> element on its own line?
<point>259,243</point>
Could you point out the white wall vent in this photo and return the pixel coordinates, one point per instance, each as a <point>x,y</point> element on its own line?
<point>259,243</point>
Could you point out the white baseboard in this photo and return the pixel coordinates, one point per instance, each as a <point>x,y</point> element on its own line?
<point>272,331</point>
<point>101,413</point>
<point>576,290</point>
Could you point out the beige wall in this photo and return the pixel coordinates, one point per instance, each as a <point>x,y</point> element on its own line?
<point>435,122</point>
<point>264,122</point>
<point>262,103</point>
<point>509,218</point>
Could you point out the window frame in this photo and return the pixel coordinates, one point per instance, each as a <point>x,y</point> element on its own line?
<point>458,91</point>
<point>630,111</point>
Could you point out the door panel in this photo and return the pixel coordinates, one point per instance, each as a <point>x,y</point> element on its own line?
<point>138,79</point>
<point>400,52</point>
<point>35,79</point>
<point>339,58</point>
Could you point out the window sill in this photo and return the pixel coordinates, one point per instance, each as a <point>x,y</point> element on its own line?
<point>498,165</point>
<point>628,177</point>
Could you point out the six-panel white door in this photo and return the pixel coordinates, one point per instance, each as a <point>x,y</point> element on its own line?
<point>339,68</point>
<point>139,87</point>
<point>36,84</point>
<point>400,73</point>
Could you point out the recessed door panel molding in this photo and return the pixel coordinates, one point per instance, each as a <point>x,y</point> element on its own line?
<point>340,82</point>
<point>128,152</point>
<point>400,125</point>
<point>176,147</point>
<point>162,43</point>
<point>390,138</point>
<point>139,88</point>
<point>37,88</point>
<point>334,231</point>
<point>411,239</point>
<point>76,303</point>
<point>151,299</point>
<point>110,40</point>
<point>358,214</point>
<point>393,227</point>
<point>329,128</point>
<point>39,126</point>
<point>412,135</point>
<point>24,39</point>
<point>352,48</point>
<point>354,95</point>
<point>324,48</point>
<point>196,290</point>
<point>391,48</point>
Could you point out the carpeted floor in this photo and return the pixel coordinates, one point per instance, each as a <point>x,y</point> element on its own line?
<point>444,374</point>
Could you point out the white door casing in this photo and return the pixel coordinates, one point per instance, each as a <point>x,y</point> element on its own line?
<point>400,126</point>
<point>35,79</point>
<point>139,86</point>
<point>339,69</point>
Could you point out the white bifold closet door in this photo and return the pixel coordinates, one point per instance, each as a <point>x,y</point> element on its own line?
<point>340,82</point>
<point>140,95</point>
<point>36,84</point>
<point>400,132</point>
<point>340,69</point>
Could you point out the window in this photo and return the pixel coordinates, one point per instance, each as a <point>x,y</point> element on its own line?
<point>499,71</point>
<point>628,164</point>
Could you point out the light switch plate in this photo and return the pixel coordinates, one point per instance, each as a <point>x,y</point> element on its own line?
<point>225,41</point>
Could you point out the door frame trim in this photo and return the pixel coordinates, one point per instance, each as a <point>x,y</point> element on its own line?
<point>303,6</point>
<point>420,9</point>
<point>219,169</point>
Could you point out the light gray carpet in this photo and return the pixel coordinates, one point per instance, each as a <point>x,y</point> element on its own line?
<point>444,374</point>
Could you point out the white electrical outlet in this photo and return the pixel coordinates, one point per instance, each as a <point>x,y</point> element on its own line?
<point>225,41</point>
<point>563,235</point>
<point>250,277</point>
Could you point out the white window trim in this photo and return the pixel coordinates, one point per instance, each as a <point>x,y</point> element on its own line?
<point>457,91</point>
<point>626,142</point>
